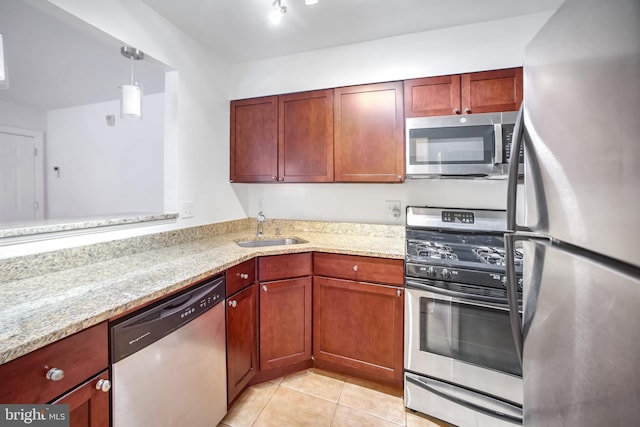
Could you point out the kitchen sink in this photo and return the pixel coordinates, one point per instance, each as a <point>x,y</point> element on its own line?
<point>256,243</point>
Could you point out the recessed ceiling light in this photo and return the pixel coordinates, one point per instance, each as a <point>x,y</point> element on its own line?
<point>310,2</point>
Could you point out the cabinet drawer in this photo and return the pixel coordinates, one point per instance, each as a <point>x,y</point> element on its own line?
<point>359,268</point>
<point>80,356</point>
<point>240,276</point>
<point>284,266</point>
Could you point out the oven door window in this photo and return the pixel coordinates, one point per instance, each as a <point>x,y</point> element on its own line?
<point>470,333</point>
<point>456,145</point>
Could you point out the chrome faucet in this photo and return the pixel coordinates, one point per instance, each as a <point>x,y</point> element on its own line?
<point>261,220</point>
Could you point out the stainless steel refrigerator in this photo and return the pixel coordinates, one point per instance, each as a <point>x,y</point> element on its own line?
<point>580,232</point>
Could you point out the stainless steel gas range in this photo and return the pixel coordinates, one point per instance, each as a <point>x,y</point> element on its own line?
<point>461,364</point>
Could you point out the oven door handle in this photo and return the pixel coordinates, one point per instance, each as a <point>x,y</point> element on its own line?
<point>460,297</point>
<point>485,404</point>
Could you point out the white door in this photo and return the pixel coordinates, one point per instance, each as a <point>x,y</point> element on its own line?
<point>21,184</point>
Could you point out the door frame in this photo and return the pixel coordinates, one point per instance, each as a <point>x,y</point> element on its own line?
<point>38,138</point>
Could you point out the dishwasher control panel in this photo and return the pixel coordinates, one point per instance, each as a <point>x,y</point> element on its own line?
<point>150,324</point>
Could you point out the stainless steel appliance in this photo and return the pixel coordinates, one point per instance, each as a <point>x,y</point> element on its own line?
<point>461,363</point>
<point>169,361</point>
<point>581,225</point>
<point>476,145</point>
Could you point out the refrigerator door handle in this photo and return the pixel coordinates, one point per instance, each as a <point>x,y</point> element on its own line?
<point>512,184</point>
<point>512,293</point>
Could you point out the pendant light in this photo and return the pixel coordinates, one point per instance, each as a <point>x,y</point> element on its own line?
<point>4,78</point>
<point>131,96</point>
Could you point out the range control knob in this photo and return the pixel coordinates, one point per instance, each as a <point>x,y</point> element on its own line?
<point>504,281</point>
<point>520,284</point>
<point>446,274</point>
<point>431,272</point>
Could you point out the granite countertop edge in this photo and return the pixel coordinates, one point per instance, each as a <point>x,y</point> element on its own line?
<point>41,310</point>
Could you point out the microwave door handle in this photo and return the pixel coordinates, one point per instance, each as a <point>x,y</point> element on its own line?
<point>517,140</point>
<point>499,145</point>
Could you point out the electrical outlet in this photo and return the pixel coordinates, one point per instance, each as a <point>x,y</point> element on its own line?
<point>392,209</point>
<point>186,209</point>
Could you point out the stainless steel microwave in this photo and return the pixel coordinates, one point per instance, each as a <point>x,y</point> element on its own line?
<point>468,146</point>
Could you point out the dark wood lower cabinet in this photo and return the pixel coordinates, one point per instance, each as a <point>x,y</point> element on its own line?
<point>88,405</point>
<point>285,322</point>
<point>242,340</point>
<point>359,326</point>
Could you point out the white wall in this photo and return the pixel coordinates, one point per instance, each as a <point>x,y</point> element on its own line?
<point>484,46</point>
<point>22,116</point>
<point>104,170</point>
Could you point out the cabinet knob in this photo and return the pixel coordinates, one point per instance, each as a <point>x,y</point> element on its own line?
<point>55,374</point>
<point>467,110</point>
<point>274,178</point>
<point>264,288</point>
<point>398,293</point>
<point>103,385</point>
<point>399,177</point>
<point>281,179</point>
<point>456,111</point>
<point>355,268</point>
<point>233,303</point>
<point>244,276</point>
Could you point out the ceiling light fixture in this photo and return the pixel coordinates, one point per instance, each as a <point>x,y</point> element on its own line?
<point>310,2</point>
<point>131,97</point>
<point>4,78</point>
<point>275,16</point>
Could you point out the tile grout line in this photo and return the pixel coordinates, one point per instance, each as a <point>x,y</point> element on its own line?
<point>265,405</point>
<point>335,411</point>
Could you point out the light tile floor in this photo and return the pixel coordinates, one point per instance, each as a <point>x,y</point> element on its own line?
<point>319,398</point>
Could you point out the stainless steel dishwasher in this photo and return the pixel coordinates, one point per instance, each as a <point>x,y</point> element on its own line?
<point>169,361</point>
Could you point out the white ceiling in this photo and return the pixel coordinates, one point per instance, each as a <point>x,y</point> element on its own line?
<point>239,30</point>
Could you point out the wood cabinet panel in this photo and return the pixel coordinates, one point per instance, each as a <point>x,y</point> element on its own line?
<point>88,406</point>
<point>240,276</point>
<point>366,269</point>
<point>432,96</point>
<point>479,92</point>
<point>305,137</point>
<point>254,140</point>
<point>285,322</point>
<point>242,340</point>
<point>284,266</point>
<point>80,356</point>
<point>492,91</point>
<point>369,133</point>
<point>360,326</point>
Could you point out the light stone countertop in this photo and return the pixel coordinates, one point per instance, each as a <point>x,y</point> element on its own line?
<point>40,310</point>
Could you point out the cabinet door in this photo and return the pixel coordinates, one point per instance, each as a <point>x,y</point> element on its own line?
<point>254,140</point>
<point>360,326</point>
<point>432,96</point>
<point>492,91</point>
<point>285,322</point>
<point>242,340</point>
<point>305,137</point>
<point>369,133</point>
<point>88,405</point>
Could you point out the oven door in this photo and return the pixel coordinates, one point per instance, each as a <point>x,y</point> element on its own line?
<point>462,341</point>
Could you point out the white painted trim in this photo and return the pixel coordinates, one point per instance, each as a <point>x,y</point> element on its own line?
<point>38,138</point>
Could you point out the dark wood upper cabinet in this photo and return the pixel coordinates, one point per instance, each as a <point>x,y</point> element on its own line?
<point>432,96</point>
<point>305,137</point>
<point>481,92</point>
<point>369,133</point>
<point>254,140</point>
<point>492,91</point>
